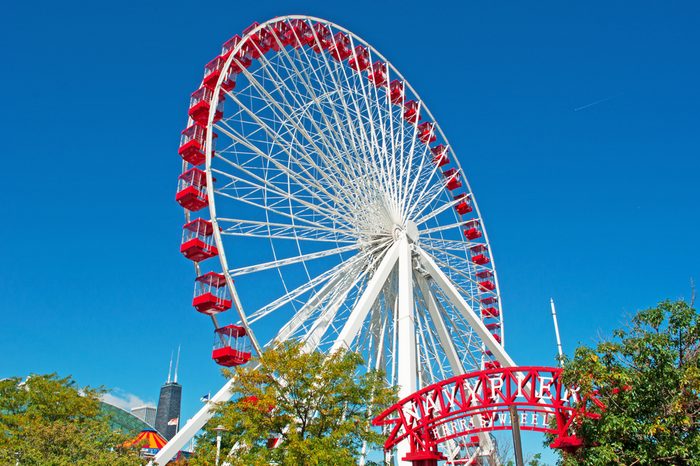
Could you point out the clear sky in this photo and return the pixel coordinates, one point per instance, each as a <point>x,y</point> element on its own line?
<point>577,124</point>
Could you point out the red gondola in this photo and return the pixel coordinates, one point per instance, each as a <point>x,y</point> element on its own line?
<point>211,294</point>
<point>300,33</point>
<point>192,144</point>
<point>479,254</point>
<point>426,132</point>
<point>197,240</point>
<point>411,111</point>
<point>452,177</point>
<point>396,92</point>
<point>240,61</point>
<point>281,33</point>
<point>464,205</point>
<point>471,229</point>
<point>340,46</point>
<point>320,38</point>
<point>192,189</point>
<point>485,283</point>
<point>200,103</point>
<point>231,347</point>
<point>440,157</point>
<point>360,59</point>
<point>212,71</point>
<point>258,43</point>
<point>488,299</point>
<point>377,74</point>
<point>229,45</point>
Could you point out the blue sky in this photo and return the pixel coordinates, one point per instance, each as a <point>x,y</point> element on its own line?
<point>577,125</point>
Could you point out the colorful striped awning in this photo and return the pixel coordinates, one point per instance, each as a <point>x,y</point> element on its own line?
<point>148,438</point>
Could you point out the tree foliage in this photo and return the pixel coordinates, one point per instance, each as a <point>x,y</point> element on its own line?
<point>319,406</point>
<point>46,420</point>
<point>649,380</point>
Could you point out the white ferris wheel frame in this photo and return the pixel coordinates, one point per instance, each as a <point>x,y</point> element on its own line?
<point>401,255</point>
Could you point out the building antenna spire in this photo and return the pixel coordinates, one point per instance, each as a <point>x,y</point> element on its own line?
<point>170,367</point>
<point>177,363</point>
<point>556,332</point>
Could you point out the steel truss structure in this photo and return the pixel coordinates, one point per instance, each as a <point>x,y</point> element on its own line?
<point>338,211</point>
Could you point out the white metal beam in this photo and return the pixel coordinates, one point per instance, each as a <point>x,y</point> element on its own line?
<point>406,324</point>
<point>190,429</point>
<point>465,309</point>
<point>364,304</point>
<point>450,352</point>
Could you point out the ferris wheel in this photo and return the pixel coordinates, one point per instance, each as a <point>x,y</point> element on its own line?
<point>324,204</point>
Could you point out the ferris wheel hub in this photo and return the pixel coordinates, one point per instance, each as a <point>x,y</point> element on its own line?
<point>412,231</point>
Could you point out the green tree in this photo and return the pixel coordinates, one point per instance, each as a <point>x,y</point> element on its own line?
<point>649,380</point>
<point>47,420</point>
<point>317,405</point>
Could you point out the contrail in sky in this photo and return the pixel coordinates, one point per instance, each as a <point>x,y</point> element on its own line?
<point>583,107</point>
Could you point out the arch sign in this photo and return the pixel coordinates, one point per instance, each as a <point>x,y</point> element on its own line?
<point>481,402</point>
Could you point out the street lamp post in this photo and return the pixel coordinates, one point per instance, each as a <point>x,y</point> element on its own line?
<point>218,430</point>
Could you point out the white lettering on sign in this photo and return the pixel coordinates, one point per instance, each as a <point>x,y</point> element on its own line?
<point>520,378</point>
<point>430,406</point>
<point>451,396</point>
<point>472,391</point>
<point>463,425</point>
<point>496,384</point>
<point>573,392</point>
<point>544,382</point>
<point>411,414</point>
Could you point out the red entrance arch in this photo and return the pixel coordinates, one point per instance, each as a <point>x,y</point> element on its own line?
<point>448,409</point>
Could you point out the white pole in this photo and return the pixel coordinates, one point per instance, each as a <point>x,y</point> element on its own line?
<point>556,331</point>
<point>405,323</point>
<point>218,430</point>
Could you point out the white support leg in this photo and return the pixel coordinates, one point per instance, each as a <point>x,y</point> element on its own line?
<point>364,304</point>
<point>467,312</point>
<point>190,429</point>
<point>485,442</point>
<point>406,324</point>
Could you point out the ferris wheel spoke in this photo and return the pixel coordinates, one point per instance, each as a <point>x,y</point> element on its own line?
<point>306,182</point>
<point>287,148</point>
<point>467,344</point>
<point>320,326</point>
<point>288,118</point>
<point>429,231</point>
<point>372,290</point>
<point>261,229</point>
<point>437,211</point>
<point>446,244</point>
<point>355,135</point>
<point>446,342</point>
<point>303,78</point>
<point>405,168</point>
<point>264,186</point>
<point>456,275</point>
<point>268,208</point>
<point>331,278</point>
<point>467,312</point>
<point>224,128</point>
<point>419,178</point>
<point>316,332</point>
<point>426,199</point>
<point>339,123</point>
<point>289,261</point>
